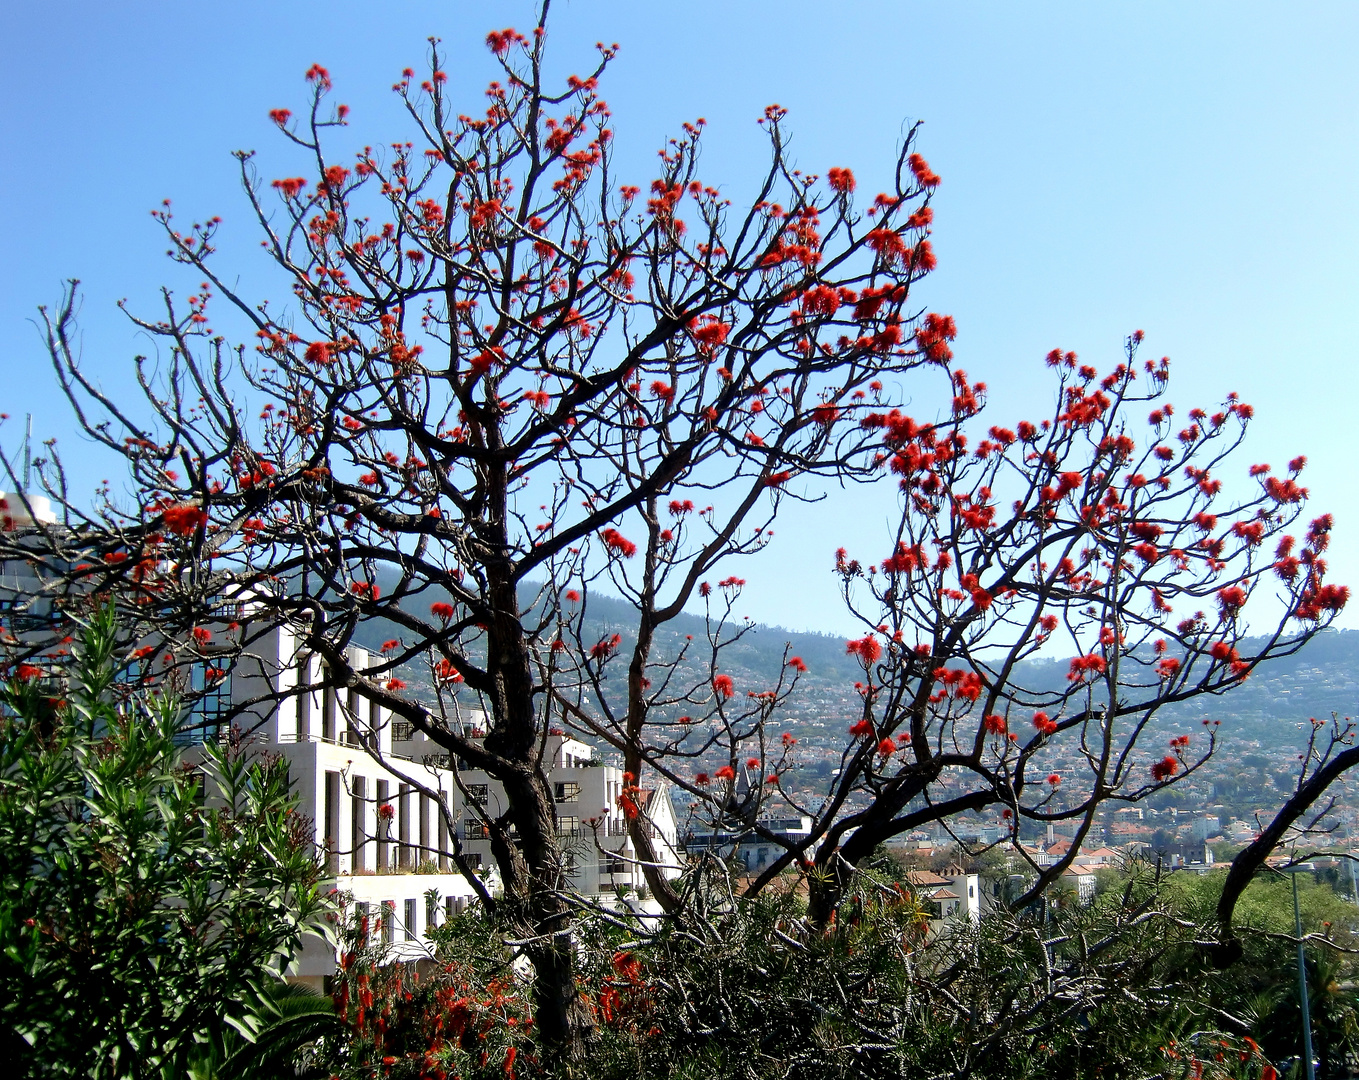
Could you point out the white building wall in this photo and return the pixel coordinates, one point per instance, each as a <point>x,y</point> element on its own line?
<point>590,821</point>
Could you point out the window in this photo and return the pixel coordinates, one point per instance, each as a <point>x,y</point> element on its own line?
<point>401,731</point>
<point>410,920</point>
<point>475,830</point>
<point>612,863</point>
<point>478,793</point>
<point>210,690</point>
<point>568,823</point>
<point>357,801</point>
<point>332,822</point>
<point>568,791</point>
<point>388,920</point>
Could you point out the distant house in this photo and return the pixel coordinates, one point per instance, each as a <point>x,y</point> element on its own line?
<point>1190,854</point>
<point>1081,882</point>
<point>955,895</point>
<point>1098,859</point>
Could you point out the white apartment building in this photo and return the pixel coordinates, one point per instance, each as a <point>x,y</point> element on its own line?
<point>389,803</point>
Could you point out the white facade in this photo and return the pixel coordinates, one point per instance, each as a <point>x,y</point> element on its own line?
<point>589,801</point>
<point>379,824</point>
<point>389,809</point>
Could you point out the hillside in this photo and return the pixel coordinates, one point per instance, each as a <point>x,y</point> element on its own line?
<point>1320,679</point>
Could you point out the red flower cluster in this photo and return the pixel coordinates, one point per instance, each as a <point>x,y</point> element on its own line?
<point>709,333</point>
<point>1317,597</point>
<point>1086,667</point>
<point>962,685</point>
<point>617,543</point>
<point>920,169</point>
<point>825,414</point>
<point>499,41</point>
<point>840,180</point>
<point>185,520</point>
<point>934,335</point>
<point>1222,650</point>
<point>906,559</point>
<point>605,647</point>
<point>868,649</point>
<point>722,686</point>
<point>1044,723</point>
<point>441,610</point>
<point>1164,769</point>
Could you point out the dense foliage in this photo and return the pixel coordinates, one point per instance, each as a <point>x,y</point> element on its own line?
<point>749,989</point>
<point>147,906</point>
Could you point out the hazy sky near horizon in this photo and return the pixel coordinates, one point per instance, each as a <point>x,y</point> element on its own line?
<point>1188,169</point>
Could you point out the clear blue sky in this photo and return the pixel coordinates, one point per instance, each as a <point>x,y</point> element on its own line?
<point>1190,169</point>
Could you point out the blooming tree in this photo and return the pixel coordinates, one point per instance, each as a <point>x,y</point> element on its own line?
<point>1105,531</point>
<point>500,377</point>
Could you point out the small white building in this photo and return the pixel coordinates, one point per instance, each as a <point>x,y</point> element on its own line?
<point>954,895</point>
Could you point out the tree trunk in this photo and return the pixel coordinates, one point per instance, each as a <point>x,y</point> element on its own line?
<point>532,870</point>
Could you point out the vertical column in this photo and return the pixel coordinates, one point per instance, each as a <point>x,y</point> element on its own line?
<point>384,826</point>
<point>302,700</point>
<point>344,827</point>
<point>328,714</point>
